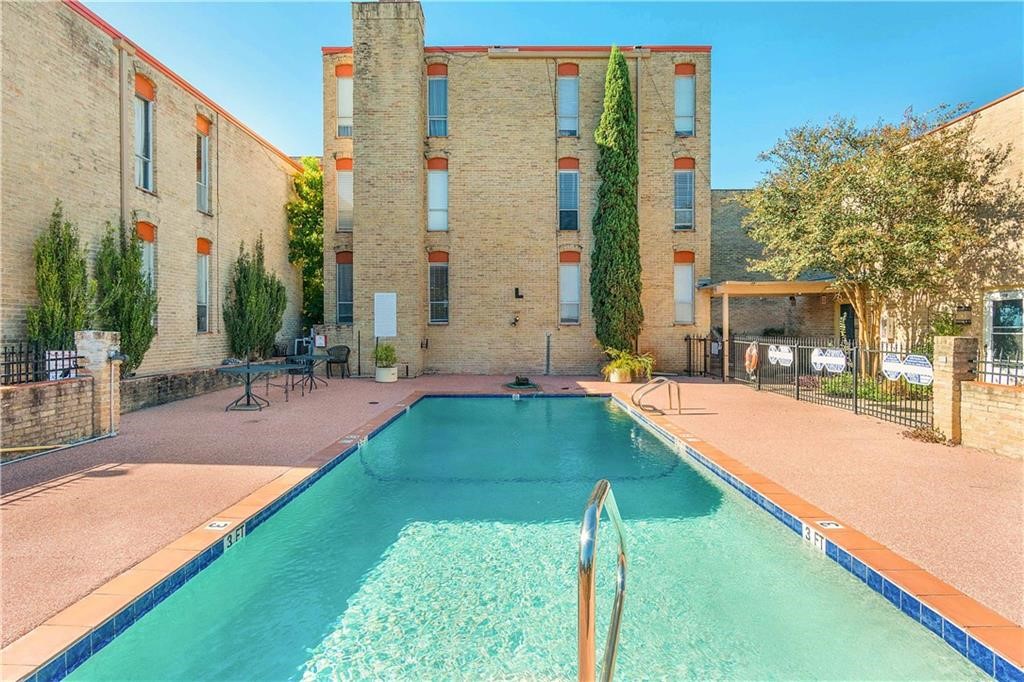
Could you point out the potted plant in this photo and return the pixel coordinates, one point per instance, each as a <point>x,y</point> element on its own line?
<point>623,365</point>
<point>386,359</point>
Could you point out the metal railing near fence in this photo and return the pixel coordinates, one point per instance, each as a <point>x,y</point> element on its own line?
<point>702,355</point>
<point>24,362</point>
<point>1003,370</point>
<point>887,382</point>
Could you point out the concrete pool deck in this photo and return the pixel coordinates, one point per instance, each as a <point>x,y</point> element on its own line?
<point>74,519</point>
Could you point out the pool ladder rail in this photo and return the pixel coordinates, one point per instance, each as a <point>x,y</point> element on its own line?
<point>673,388</point>
<point>601,498</point>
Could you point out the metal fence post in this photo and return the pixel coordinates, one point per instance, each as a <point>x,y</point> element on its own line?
<point>856,371</point>
<point>758,368</point>
<point>796,374</point>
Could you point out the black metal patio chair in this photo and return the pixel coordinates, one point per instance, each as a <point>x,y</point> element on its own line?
<point>339,356</point>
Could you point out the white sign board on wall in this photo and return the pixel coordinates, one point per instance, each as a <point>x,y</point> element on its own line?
<point>385,315</point>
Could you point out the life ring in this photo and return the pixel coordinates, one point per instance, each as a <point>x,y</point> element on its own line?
<point>750,358</point>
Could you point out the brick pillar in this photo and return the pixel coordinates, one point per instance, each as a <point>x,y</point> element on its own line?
<point>95,349</point>
<point>953,357</point>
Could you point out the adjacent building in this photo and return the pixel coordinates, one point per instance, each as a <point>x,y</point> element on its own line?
<point>93,120</point>
<point>463,180</point>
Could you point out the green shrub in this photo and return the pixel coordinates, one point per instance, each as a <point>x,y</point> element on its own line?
<point>63,285</point>
<point>125,297</point>
<point>625,361</point>
<point>841,386</point>
<point>254,310</point>
<point>384,355</point>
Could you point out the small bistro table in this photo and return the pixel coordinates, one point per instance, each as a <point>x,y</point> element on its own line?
<point>310,361</point>
<point>250,372</point>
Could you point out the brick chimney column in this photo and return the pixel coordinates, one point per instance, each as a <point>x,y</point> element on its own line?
<point>95,348</point>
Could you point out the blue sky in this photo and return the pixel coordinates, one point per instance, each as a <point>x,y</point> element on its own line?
<point>774,65</point>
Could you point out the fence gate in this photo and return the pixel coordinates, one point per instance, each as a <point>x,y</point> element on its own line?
<point>888,382</point>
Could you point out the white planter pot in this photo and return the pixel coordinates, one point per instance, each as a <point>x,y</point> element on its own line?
<point>386,375</point>
<point>619,376</point>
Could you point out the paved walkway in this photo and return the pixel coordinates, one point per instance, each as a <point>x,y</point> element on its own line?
<point>74,519</point>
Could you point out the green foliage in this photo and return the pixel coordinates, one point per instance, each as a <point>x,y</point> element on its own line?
<point>125,298</point>
<point>63,285</point>
<point>255,305</point>
<point>942,324</point>
<point>306,237</point>
<point>868,388</point>
<point>888,210</point>
<point>626,361</point>
<point>615,263</point>
<point>384,355</point>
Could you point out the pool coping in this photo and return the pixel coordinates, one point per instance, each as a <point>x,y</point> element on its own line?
<point>63,642</point>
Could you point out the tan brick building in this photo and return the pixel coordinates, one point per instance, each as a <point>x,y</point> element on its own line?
<point>468,186</point>
<point>93,120</point>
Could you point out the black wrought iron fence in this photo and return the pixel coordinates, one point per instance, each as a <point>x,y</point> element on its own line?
<point>1004,370</point>
<point>24,362</point>
<point>888,382</point>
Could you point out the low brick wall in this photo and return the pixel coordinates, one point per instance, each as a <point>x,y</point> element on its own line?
<point>157,389</point>
<point>990,417</point>
<point>46,413</point>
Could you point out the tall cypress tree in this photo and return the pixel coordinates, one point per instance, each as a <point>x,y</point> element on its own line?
<point>615,263</point>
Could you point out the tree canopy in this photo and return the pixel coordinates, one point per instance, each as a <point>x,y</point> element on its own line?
<point>306,237</point>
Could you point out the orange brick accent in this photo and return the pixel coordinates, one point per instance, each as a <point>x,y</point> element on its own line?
<point>343,164</point>
<point>202,124</point>
<point>569,257</point>
<point>343,258</point>
<point>568,163</point>
<point>343,71</point>
<point>204,246</point>
<point>568,69</point>
<point>437,69</point>
<point>144,87</point>
<point>437,163</point>
<point>437,257</point>
<point>686,70</point>
<point>683,257</point>
<point>684,163</point>
<point>146,231</point>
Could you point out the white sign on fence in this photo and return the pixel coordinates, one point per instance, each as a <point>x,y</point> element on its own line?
<point>892,366</point>
<point>831,359</point>
<point>918,370</point>
<point>385,315</point>
<point>780,355</point>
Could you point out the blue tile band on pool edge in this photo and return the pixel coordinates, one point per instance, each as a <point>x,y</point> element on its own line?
<point>979,654</point>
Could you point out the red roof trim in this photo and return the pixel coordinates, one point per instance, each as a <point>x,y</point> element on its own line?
<point>98,22</point>
<point>436,49</point>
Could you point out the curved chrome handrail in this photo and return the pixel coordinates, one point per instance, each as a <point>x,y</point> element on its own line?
<point>601,498</point>
<point>673,388</point>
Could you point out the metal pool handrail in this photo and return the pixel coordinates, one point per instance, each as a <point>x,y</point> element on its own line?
<point>673,387</point>
<point>601,498</point>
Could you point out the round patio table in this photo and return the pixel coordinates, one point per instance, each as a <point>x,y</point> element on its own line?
<point>312,361</point>
<point>250,372</point>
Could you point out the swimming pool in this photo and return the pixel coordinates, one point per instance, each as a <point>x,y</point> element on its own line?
<point>445,548</point>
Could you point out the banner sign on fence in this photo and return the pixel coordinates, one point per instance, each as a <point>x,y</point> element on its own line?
<point>918,370</point>
<point>892,366</point>
<point>780,355</point>
<point>831,359</point>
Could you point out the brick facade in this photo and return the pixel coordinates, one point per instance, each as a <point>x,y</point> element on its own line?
<point>991,417</point>
<point>46,413</point>
<point>64,131</point>
<point>502,153</point>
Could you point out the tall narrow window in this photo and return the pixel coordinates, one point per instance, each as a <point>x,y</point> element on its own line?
<point>343,260</point>
<point>203,249</point>
<point>343,77</point>
<point>568,100</point>
<point>568,194</point>
<point>145,94</point>
<point>683,203</point>
<point>438,287</point>
<point>437,100</point>
<point>569,287</point>
<point>343,168</point>
<point>147,240</point>
<point>437,194</point>
<point>682,273</point>
<point>686,103</point>
<point>202,164</point>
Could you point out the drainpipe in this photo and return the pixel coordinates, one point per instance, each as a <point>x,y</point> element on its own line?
<point>124,53</point>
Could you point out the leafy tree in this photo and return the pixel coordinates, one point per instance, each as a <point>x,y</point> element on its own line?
<point>255,305</point>
<point>125,298</point>
<point>63,285</point>
<point>615,263</point>
<point>891,211</point>
<point>306,237</point>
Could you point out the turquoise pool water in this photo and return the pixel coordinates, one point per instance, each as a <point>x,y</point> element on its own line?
<point>445,549</point>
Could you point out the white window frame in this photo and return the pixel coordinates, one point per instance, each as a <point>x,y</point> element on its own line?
<point>685,105</point>
<point>437,200</point>
<point>569,305</point>
<point>568,116</point>
<point>576,177</point>
<point>143,143</point>
<point>431,302</point>
<point>338,295</point>
<point>203,173</point>
<point>344,106</point>
<point>345,217</point>
<point>683,293</point>
<point>202,293</point>
<point>440,119</point>
<point>679,214</point>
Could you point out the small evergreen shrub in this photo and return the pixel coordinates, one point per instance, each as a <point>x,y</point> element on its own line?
<point>254,310</point>
<point>384,355</point>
